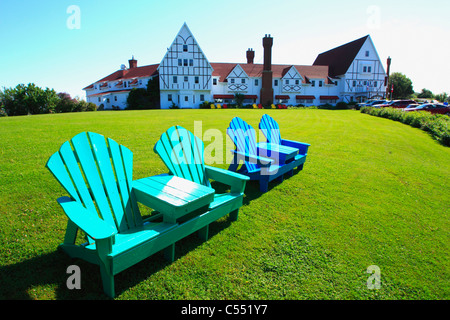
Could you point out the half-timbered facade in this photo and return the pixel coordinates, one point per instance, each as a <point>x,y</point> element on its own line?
<point>351,72</point>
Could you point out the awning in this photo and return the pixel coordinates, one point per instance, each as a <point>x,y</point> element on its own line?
<point>250,97</point>
<point>282,97</point>
<point>329,98</point>
<point>107,93</point>
<point>223,96</point>
<point>305,97</point>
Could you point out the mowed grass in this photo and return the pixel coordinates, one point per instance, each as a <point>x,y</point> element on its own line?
<point>372,192</point>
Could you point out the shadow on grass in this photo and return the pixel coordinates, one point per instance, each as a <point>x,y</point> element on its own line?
<point>44,277</point>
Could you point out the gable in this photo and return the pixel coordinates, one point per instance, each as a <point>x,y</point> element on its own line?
<point>184,57</point>
<point>292,74</point>
<point>238,80</point>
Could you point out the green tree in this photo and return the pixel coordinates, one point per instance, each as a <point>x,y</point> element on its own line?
<point>239,98</point>
<point>30,99</point>
<point>443,97</point>
<point>153,93</point>
<point>140,98</point>
<point>403,87</point>
<point>425,94</point>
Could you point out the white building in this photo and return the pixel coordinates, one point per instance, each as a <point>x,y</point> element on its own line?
<point>352,72</point>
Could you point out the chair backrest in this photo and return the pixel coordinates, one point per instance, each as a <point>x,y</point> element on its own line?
<point>244,137</point>
<point>270,129</point>
<point>98,172</point>
<point>182,153</point>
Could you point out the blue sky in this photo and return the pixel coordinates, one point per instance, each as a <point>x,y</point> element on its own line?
<point>37,45</point>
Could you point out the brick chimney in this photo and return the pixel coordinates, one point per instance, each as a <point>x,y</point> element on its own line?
<point>267,89</point>
<point>250,56</point>
<point>133,63</point>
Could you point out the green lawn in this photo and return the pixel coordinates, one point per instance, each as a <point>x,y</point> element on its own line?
<point>373,192</point>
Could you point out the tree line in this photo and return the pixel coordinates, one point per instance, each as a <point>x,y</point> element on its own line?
<point>403,89</point>
<point>31,99</point>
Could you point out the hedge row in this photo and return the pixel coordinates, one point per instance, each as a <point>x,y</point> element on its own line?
<point>436,124</point>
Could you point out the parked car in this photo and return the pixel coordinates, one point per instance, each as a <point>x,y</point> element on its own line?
<point>396,104</point>
<point>371,103</point>
<point>430,107</point>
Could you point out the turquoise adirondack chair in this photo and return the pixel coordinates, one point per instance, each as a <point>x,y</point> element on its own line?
<point>103,203</point>
<point>271,130</point>
<point>260,162</point>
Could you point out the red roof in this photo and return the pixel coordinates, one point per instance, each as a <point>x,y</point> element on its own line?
<point>222,70</point>
<point>339,59</point>
<point>138,72</point>
<point>305,97</point>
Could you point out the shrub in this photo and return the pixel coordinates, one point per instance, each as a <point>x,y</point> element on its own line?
<point>437,125</point>
<point>341,105</point>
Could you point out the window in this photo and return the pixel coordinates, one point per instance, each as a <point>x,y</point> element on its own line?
<point>186,79</point>
<point>196,79</point>
<point>180,62</point>
<point>185,48</point>
<point>107,100</point>
<point>367,53</point>
<point>169,97</point>
<point>320,83</point>
<point>115,98</point>
<point>369,69</point>
<point>186,98</point>
<point>276,83</point>
<point>375,84</point>
<point>286,81</point>
<point>215,82</point>
<point>202,97</point>
<point>364,69</point>
<point>313,83</point>
<point>175,79</point>
<point>256,82</point>
<point>99,99</point>
<point>191,62</point>
<point>185,62</point>
<point>354,83</point>
<point>243,81</point>
<point>232,80</point>
<point>297,82</point>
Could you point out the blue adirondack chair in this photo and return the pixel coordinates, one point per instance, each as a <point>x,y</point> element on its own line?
<point>260,163</point>
<point>271,131</point>
<point>103,203</point>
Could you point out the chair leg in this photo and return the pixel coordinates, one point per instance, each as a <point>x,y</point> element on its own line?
<point>108,281</point>
<point>234,215</point>
<point>203,233</point>
<point>169,253</point>
<point>264,185</point>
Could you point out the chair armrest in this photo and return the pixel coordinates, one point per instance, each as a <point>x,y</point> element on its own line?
<point>261,161</point>
<point>302,147</point>
<point>235,180</point>
<point>87,221</point>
